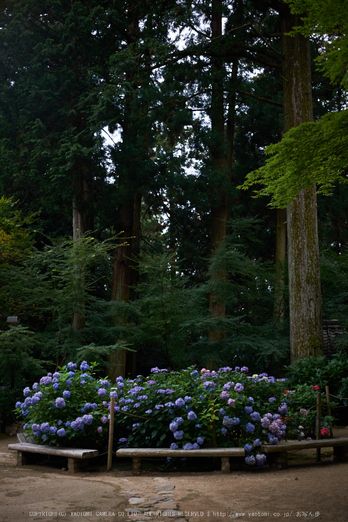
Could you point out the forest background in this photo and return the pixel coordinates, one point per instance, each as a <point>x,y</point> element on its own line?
<point>127,130</point>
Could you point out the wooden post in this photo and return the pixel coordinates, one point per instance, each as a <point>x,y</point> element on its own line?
<point>318,434</point>
<point>328,407</point>
<point>111,433</point>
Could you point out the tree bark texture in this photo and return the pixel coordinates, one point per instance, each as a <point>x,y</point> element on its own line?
<point>306,336</point>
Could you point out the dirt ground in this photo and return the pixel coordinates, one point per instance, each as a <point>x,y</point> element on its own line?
<point>306,490</point>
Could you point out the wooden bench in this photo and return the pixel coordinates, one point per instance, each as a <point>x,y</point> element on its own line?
<point>138,453</point>
<point>276,453</point>
<point>78,459</point>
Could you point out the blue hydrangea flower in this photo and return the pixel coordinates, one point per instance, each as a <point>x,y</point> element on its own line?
<point>102,392</point>
<point>200,440</point>
<point>179,435</point>
<point>61,432</point>
<point>188,446</point>
<point>174,446</point>
<point>272,399</point>
<point>60,402</point>
<point>26,391</point>
<point>191,415</point>
<point>249,428</point>
<point>255,416</point>
<point>188,398</point>
<point>223,431</point>
<point>84,366</point>
<point>250,460</point>
<point>248,409</point>
<point>55,386</point>
<point>45,427</point>
<point>72,366</point>
<point>239,387</point>
<point>179,402</point>
<point>179,420</point>
<point>248,448</point>
<point>46,380</point>
<point>18,404</point>
<point>257,443</point>
<point>53,430</point>
<point>173,426</point>
<point>148,411</point>
<point>87,419</point>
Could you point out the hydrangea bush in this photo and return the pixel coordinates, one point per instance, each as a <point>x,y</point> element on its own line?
<point>188,409</point>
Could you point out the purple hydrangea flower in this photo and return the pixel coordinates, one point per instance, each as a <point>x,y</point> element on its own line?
<point>231,402</point>
<point>239,387</point>
<point>250,460</point>
<point>188,398</point>
<point>209,384</point>
<point>244,369</point>
<point>272,399</point>
<point>257,443</point>
<point>283,409</point>
<point>151,382</point>
<point>179,402</point>
<point>148,411</point>
<point>99,429</point>
<point>72,366</point>
<point>224,395</point>
<point>53,430</point>
<point>61,432</point>
<point>102,392</point>
<point>179,420</point>
<point>260,459</point>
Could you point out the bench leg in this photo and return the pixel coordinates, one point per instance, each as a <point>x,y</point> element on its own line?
<point>278,459</point>
<point>341,453</point>
<point>76,465</point>
<point>22,458</point>
<point>136,465</point>
<point>225,464</point>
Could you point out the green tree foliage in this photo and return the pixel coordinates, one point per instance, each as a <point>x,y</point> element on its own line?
<point>314,152</point>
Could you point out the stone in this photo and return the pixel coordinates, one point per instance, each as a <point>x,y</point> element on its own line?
<point>136,500</point>
<point>166,487</point>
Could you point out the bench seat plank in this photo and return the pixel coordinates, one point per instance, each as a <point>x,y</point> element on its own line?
<point>54,450</point>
